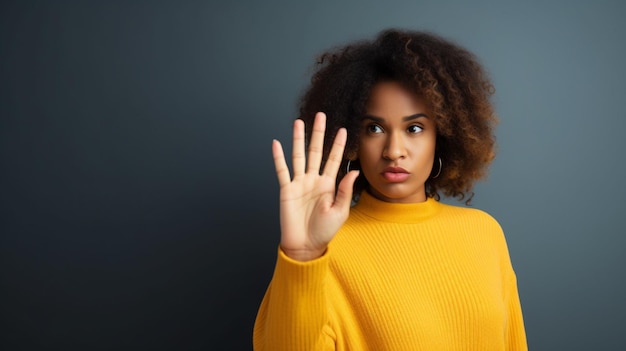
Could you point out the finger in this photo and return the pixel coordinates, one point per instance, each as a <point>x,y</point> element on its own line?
<point>282,171</point>
<point>344,190</point>
<point>336,154</point>
<point>298,154</point>
<point>317,143</point>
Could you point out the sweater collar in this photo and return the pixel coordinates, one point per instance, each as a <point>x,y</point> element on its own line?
<point>396,212</point>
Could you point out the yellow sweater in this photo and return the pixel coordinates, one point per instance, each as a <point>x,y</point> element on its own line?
<point>425,276</point>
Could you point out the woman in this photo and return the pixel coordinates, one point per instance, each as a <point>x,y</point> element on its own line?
<point>411,118</point>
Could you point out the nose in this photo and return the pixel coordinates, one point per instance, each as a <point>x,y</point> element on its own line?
<point>395,147</point>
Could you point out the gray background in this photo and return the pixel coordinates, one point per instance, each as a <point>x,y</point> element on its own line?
<point>137,195</point>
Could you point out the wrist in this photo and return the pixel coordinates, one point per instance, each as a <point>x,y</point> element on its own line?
<point>303,255</point>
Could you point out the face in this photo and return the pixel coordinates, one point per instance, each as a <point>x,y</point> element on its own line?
<point>397,144</point>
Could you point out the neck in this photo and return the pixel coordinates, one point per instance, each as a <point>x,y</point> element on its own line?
<point>396,212</point>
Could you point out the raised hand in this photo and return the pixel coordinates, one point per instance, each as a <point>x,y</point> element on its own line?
<point>310,210</point>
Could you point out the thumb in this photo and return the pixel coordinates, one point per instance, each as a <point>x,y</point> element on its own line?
<point>344,191</point>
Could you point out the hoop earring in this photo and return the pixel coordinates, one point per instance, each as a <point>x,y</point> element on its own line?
<point>439,171</point>
<point>348,167</point>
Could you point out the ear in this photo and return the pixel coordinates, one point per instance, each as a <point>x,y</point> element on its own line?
<point>352,155</point>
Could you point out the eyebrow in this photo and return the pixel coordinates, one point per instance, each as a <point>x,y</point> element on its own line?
<point>404,119</point>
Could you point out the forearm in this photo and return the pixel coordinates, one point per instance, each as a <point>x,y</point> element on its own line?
<point>293,315</point>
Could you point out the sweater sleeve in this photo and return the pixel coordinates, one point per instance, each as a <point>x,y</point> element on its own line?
<point>515,332</point>
<point>293,314</point>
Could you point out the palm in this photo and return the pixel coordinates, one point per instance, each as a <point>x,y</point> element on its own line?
<point>310,211</point>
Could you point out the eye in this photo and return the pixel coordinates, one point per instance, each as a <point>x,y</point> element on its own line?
<point>374,129</point>
<point>414,129</point>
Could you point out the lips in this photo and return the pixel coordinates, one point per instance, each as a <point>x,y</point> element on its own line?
<point>395,174</point>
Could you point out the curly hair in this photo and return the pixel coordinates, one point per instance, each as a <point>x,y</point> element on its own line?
<point>448,76</point>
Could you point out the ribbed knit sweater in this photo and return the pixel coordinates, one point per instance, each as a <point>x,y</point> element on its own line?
<point>423,276</point>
